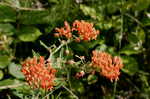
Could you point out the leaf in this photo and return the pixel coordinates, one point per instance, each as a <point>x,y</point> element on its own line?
<point>130,50</point>
<point>130,65</point>
<point>28,34</point>
<point>14,3</point>
<point>78,47</point>
<point>92,79</point>
<point>15,70</point>
<point>88,11</point>
<point>1,74</point>
<point>7,28</point>
<point>35,54</point>
<point>53,1</point>
<point>22,90</point>
<point>132,38</point>
<point>34,16</point>
<point>141,5</point>
<point>77,86</point>
<point>4,61</point>
<point>112,8</point>
<point>140,34</point>
<point>6,82</point>
<point>7,13</point>
<point>146,21</point>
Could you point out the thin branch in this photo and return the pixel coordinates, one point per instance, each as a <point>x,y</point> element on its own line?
<point>70,92</point>
<point>133,18</point>
<point>59,47</point>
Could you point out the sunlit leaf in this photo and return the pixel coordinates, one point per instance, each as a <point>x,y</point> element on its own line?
<point>15,70</point>
<point>88,11</point>
<point>1,74</point>
<point>28,34</point>
<point>4,61</point>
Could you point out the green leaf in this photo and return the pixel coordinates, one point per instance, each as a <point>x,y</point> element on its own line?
<point>15,70</point>
<point>6,82</point>
<point>130,50</point>
<point>132,38</point>
<point>28,34</point>
<point>78,47</point>
<point>14,3</point>
<point>146,21</point>
<point>88,11</point>
<point>35,54</point>
<point>140,34</point>
<point>23,90</point>
<point>7,28</point>
<point>142,5</point>
<point>92,79</point>
<point>34,16</point>
<point>130,65</point>
<point>53,1</point>
<point>4,61</point>
<point>7,14</point>
<point>77,86</point>
<point>112,8</point>
<point>1,74</point>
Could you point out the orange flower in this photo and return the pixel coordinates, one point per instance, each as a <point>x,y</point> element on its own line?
<point>110,66</point>
<point>85,30</point>
<point>64,31</point>
<point>38,73</point>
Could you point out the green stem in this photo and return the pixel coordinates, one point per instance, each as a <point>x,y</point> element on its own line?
<point>58,48</point>
<point>114,91</point>
<point>70,92</point>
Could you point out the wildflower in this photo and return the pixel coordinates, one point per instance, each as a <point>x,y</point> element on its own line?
<point>38,73</point>
<point>109,66</point>
<point>64,31</point>
<point>85,30</point>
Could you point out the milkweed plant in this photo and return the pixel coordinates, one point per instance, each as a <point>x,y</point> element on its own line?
<point>56,72</point>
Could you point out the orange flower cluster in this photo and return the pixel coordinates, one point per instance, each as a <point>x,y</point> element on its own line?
<point>110,66</point>
<point>38,73</point>
<point>85,30</point>
<point>64,31</point>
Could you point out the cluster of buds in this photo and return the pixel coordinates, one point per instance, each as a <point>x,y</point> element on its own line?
<point>109,66</point>
<point>85,31</point>
<point>38,73</point>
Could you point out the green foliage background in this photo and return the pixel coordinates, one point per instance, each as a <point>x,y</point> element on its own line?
<point>125,31</point>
